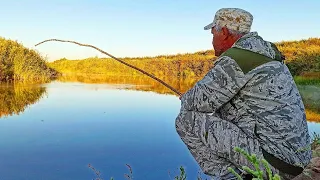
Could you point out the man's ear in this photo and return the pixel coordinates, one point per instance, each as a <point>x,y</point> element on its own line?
<point>225,32</point>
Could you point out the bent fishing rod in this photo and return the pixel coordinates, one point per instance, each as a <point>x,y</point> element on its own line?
<point>117,59</point>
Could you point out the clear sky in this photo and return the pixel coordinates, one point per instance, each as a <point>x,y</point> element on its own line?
<point>145,27</point>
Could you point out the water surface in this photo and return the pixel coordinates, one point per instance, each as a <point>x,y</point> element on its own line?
<point>54,130</point>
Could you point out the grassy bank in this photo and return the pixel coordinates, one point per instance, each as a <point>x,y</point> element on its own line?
<point>301,57</point>
<point>308,79</point>
<point>22,64</point>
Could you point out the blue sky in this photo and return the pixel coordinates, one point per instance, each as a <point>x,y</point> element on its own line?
<point>145,27</point>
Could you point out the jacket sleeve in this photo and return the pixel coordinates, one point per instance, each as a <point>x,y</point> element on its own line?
<point>216,88</point>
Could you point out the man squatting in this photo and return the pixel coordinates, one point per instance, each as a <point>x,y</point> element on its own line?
<point>247,100</point>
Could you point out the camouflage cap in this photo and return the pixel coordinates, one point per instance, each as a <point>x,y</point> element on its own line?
<point>233,18</point>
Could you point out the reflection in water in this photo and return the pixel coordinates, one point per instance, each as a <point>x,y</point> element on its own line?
<point>313,116</point>
<point>311,98</point>
<point>143,83</point>
<point>309,93</point>
<point>14,98</point>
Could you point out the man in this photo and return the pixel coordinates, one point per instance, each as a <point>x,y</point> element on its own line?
<point>247,100</point>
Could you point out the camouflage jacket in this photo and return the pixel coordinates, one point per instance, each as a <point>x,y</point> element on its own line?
<point>263,101</point>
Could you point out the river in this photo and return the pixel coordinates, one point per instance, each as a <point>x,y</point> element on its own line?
<point>55,130</point>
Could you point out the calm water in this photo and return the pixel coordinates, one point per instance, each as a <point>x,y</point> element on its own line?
<point>53,131</point>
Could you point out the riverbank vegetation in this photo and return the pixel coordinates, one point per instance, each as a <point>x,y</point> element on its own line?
<point>22,64</point>
<point>302,58</point>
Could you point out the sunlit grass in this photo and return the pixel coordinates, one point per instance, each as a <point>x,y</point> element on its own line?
<point>19,63</point>
<point>301,80</point>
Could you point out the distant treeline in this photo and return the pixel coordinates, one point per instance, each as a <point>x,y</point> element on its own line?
<point>22,64</point>
<point>185,65</point>
<point>302,57</point>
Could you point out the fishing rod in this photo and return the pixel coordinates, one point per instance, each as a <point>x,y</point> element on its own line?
<point>119,60</point>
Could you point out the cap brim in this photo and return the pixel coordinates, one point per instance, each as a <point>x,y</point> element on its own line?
<point>209,26</point>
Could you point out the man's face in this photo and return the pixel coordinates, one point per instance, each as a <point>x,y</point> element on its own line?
<point>218,41</point>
